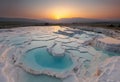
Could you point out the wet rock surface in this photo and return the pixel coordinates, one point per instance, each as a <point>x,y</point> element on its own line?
<point>90,64</point>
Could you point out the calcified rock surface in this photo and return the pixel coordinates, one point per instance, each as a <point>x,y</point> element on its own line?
<point>57,50</point>
<point>89,64</point>
<point>108,71</point>
<point>108,32</point>
<point>108,44</point>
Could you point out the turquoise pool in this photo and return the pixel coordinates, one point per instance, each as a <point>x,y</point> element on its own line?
<point>26,77</point>
<point>39,59</point>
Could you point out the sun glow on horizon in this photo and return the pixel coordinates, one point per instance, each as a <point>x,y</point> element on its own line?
<point>57,17</point>
<point>59,13</point>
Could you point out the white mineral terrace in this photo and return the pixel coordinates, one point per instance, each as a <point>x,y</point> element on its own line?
<point>58,54</point>
<point>109,40</point>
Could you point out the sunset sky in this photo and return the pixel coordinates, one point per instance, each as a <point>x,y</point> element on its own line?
<point>57,9</point>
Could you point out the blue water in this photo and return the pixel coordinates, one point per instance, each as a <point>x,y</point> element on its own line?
<point>108,53</point>
<point>26,77</point>
<point>40,58</point>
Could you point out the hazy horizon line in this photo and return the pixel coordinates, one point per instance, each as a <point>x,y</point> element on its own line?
<point>61,18</point>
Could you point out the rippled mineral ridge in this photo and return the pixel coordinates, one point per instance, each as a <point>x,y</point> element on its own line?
<point>58,54</point>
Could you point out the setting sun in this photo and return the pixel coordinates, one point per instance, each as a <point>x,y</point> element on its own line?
<point>58,17</point>
<point>59,13</point>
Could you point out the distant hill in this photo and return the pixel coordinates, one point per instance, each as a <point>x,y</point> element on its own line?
<point>87,20</point>
<point>78,20</point>
<point>19,22</point>
<point>63,20</point>
<point>25,20</point>
<point>81,20</point>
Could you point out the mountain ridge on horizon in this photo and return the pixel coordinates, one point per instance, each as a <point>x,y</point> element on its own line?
<point>62,20</point>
